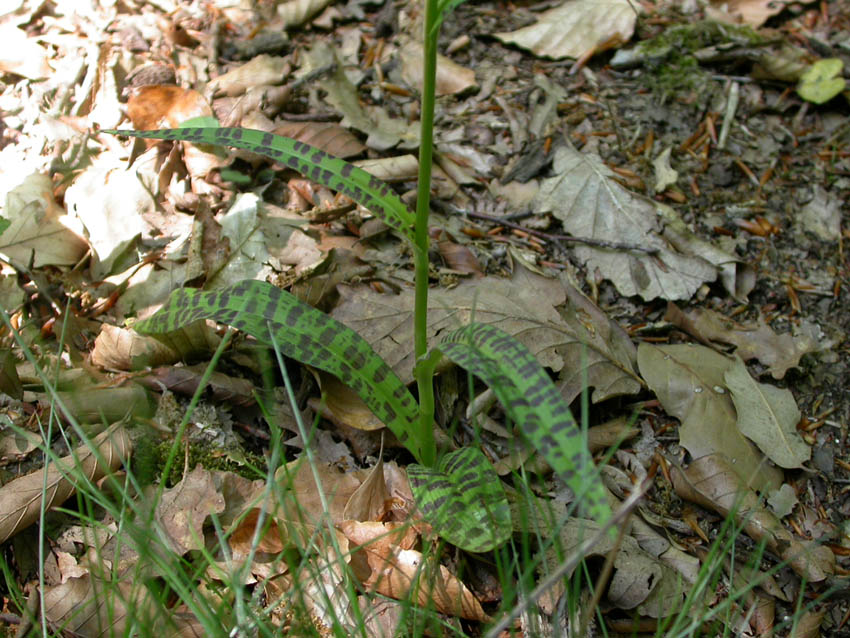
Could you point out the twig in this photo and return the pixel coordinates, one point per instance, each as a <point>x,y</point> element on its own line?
<point>589,241</point>
<point>568,565</point>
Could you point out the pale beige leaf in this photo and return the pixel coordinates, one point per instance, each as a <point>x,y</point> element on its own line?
<point>768,416</point>
<point>119,348</point>
<point>752,12</point>
<point>21,54</point>
<point>21,498</point>
<point>296,12</point>
<point>451,77</point>
<point>39,227</point>
<point>263,69</point>
<point>577,28</point>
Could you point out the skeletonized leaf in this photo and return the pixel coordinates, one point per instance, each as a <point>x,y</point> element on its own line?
<point>768,416</point>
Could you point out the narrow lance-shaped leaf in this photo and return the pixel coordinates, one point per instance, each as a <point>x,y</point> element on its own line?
<point>463,500</point>
<point>339,175</point>
<point>304,334</point>
<point>533,402</point>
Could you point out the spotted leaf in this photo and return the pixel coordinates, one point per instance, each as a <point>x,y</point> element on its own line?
<point>533,402</point>
<point>274,316</point>
<point>463,500</point>
<point>313,163</point>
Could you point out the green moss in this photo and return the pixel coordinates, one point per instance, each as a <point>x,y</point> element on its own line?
<point>253,466</point>
<point>670,56</point>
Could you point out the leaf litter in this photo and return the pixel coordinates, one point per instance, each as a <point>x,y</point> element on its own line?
<point>740,215</point>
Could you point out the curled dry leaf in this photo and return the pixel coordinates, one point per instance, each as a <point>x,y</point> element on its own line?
<point>163,106</point>
<point>711,482</point>
<point>122,349</point>
<point>753,341</point>
<point>20,499</point>
<point>395,572</point>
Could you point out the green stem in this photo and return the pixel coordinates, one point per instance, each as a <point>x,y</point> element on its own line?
<point>424,379</point>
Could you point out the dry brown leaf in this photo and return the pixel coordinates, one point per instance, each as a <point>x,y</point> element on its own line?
<point>183,510</point>
<point>394,575</point>
<point>753,341</point>
<point>523,306</point>
<point>689,382</point>
<point>712,482</point>
<point>40,229</point>
<point>369,501</point>
<point>306,505</point>
<point>328,136</point>
<point>341,405</point>
<point>768,416</point>
<point>21,498</point>
<point>119,348</point>
<point>451,77</point>
<point>154,106</point>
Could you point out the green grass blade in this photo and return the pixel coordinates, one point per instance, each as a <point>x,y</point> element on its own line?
<point>306,335</point>
<point>463,500</point>
<point>533,402</point>
<point>313,163</point>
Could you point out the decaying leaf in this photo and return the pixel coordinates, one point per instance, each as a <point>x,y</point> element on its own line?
<point>122,349</point>
<point>576,29</point>
<point>753,341</point>
<point>328,136</point>
<point>689,382</point>
<point>591,204</point>
<point>712,482</point>
<point>21,498</point>
<point>184,509</point>
<point>768,416</point>
<point>523,306</point>
<point>451,77</point>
